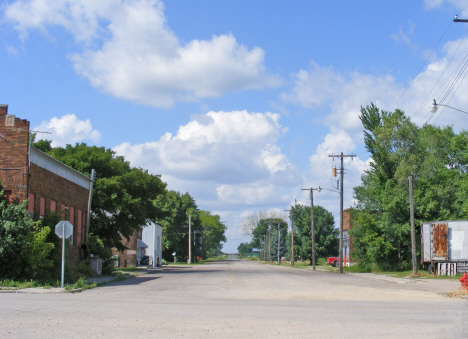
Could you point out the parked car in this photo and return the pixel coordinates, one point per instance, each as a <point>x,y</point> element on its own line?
<point>334,261</point>
<point>144,260</point>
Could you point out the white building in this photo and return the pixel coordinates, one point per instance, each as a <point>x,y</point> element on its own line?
<point>152,238</point>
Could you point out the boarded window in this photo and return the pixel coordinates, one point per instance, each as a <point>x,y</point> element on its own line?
<point>71,215</point>
<point>78,234</point>
<point>31,203</point>
<point>53,205</point>
<point>41,206</point>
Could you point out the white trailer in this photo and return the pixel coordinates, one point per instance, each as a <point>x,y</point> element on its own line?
<point>444,246</point>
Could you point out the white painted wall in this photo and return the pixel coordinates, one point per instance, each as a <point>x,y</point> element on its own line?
<point>152,236</point>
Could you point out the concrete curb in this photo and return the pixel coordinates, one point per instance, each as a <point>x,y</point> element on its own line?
<point>40,290</point>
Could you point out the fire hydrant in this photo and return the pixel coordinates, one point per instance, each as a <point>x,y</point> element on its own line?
<point>464,281</point>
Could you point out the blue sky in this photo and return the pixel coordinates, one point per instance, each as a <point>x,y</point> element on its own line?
<point>237,102</point>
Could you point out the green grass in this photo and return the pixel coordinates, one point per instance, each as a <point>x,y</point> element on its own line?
<point>80,284</point>
<point>12,284</point>
<point>19,284</point>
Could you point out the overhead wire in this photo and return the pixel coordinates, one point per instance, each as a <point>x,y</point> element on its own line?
<point>422,67</point>
<point>430,114</point>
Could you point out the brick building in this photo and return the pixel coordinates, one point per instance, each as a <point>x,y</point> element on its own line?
<point>146,241</point>
<point>26,172</point>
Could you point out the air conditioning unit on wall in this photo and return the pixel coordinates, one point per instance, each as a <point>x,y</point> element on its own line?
<point>96,265</point>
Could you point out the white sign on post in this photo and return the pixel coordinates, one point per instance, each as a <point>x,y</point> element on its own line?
<point>64,229</point>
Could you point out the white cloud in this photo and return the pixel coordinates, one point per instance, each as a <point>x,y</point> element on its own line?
<point>342,93</point>
<point>140,59</point>
<point>67,129</point>
<point>459,4</point>
<point>223,147</point>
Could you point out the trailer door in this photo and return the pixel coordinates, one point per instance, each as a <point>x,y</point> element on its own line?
<point>439,241</point>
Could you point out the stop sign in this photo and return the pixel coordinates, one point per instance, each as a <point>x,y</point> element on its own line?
<point>64,228</point>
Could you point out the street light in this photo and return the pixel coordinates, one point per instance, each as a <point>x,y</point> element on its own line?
<point>433,108</point>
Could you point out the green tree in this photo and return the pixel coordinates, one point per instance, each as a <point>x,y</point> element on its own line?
<point>245,247</point>
<point>269,227</point>
<point>43,145</point>
<point>24,249</point>
<point>15,225</point>
<point>326,235</point>
<point>437,160</point>
<point>176,208</point>
<point>212,236</point>
<point>122,197</point>
<point>37,253</point>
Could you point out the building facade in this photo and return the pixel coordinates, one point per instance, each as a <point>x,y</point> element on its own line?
<point>50,186</point>
<point>147,241</point>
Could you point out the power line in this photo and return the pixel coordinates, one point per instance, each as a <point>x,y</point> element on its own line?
<point>422,67</point>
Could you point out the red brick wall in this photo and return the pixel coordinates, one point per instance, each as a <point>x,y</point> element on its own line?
<point>45,184</point>
<point>129,256</point>
<point>14,154</point>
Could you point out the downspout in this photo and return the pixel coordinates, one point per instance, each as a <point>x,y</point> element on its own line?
<point>91,184</point>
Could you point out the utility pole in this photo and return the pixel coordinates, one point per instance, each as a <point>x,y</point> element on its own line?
<point>90,198</point>
<point>292,235</point>
<point>269,243</point>
<point>189,240</point>
<point>312,223</point>
<point>341,170</point>
<point>413,231</point>
<point>264,247</point>
<point>279,235</point>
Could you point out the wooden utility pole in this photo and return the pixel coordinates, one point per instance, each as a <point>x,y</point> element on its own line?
<point>264,247</point>
<point>269,243</point>
<point>279,236</point>
<point>312,223</point>
<point>292,235</point>
<point>341,170</point>
<point>189,239</point>
<point>413,230</point>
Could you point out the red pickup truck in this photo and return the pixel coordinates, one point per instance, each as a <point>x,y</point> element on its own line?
<point>334,261</point>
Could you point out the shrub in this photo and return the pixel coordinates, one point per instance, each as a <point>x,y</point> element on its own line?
<point>36,253</point>
<point>15,225</point>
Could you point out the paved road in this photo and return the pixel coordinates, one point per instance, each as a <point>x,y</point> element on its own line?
<point>239,299</point>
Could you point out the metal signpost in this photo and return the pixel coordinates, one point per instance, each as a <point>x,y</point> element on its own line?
<point>64,229</point>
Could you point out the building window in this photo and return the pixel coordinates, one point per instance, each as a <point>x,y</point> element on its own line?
<point>53,205</point>
<point>41,206</point>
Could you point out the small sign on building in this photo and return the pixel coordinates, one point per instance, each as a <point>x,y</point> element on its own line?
<point>9,120</point>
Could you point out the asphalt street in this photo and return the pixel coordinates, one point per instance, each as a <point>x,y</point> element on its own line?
<point>240,299</point>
